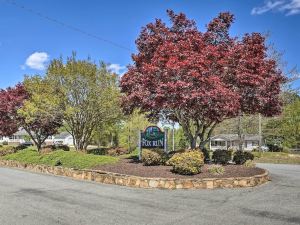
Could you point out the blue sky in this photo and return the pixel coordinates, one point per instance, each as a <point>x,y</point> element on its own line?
<point>28,42</point>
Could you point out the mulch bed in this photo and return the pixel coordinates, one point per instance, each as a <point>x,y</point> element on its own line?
<point>132,167</point>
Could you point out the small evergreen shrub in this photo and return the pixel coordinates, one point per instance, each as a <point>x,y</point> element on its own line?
<point>249,163</point>
<point>5,143</point>
<point>275,148</point>
<point>21,147</point>
<point>58,163</point>
<point>240,157</point>
<point>97,151</point>
<point>117,151</point>
<point>151,157</point>
<point>216,170</point>
<point>62,147</point>
<point>187,163</point>
<point>221,156</point>
<point>205,153</point>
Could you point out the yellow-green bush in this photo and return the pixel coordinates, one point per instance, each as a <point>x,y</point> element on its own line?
<point>187,163</point>
<point>250,163</point>
<point>151,157</point>
<point>216,170</point>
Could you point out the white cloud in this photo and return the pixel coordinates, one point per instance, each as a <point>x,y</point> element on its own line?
<point>116,68</point>
<point>292,8</point>
<point>269,5</point>
<point>288,7</point>
<point>36,61</point>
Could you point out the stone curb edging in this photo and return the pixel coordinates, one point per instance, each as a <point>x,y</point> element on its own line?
<point>142,182</point>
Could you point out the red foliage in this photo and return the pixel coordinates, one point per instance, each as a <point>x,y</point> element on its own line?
<point>11,100</point>
<point>206,76</point>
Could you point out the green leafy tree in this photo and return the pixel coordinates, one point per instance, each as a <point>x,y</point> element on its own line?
<point>131,126</point>
<point>290,124</point>
<point>42,113</point>
<point>90,96</point>
<point>181,142</point>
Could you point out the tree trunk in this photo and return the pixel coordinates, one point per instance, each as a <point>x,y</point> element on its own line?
<point>79,145</point>
<point>193,142</point>
<point>39,146</point>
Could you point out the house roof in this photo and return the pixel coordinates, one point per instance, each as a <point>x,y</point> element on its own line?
<point>235,137</point>
<point>21,132</point>
<point>62,135</point>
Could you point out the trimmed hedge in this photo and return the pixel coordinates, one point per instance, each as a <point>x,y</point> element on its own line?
<point>240,157</point>
<point>216,170</point>
<point>221,156</point>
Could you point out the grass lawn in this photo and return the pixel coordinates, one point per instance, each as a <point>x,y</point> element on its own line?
<point>276,157</point>
<point>70,159</point>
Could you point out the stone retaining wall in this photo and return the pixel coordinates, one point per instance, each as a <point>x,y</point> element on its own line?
<point>142,182</point>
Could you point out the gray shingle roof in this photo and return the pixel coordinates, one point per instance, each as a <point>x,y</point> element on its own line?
<point>21,132</point>
<point>234,137</point>
<point>62,135</point>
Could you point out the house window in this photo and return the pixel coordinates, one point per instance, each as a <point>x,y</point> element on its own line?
<point>218,143</point>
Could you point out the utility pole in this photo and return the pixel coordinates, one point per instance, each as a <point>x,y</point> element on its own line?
<point>173,136</point>
<point>240,132</point>
<point>259,130</point>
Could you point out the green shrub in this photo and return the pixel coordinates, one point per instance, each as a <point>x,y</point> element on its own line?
<point>275,148</point>
<point>58,163</point>
<point>249,163</point>
<point>285,150</point>
<point>117,151</point>
<point>97,151</point>
<point>221,156</point>
<point>151,157</point>
<point>62,147</point>
<point>5,143</point>
<point>6,150</point>
<point>20,147</point>
<point>216,170</point>
<point>205,153</point>
<point>187,163</point>
<point>241,157</point>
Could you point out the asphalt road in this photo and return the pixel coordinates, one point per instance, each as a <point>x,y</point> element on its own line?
<point>35,199</point>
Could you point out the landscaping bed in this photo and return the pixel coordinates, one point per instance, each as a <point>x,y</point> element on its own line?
<point>132,167</point>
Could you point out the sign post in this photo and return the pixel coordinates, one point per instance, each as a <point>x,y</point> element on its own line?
<point>152,137</point>
<point>166,141</point>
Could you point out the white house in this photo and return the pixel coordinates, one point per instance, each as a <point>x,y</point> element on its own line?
<point>63,138</point>
<point>17,138</point>
<point>225,141</point>
<point>22,136</point>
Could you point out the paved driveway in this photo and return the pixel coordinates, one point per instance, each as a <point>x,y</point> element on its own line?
<point>28,199</point>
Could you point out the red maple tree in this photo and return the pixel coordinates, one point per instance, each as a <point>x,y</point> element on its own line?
<point>11,100</point>
<point>39,129</point>
<point>199,79</point>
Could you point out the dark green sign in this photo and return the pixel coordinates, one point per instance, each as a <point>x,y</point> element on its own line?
<point>152,137</point>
